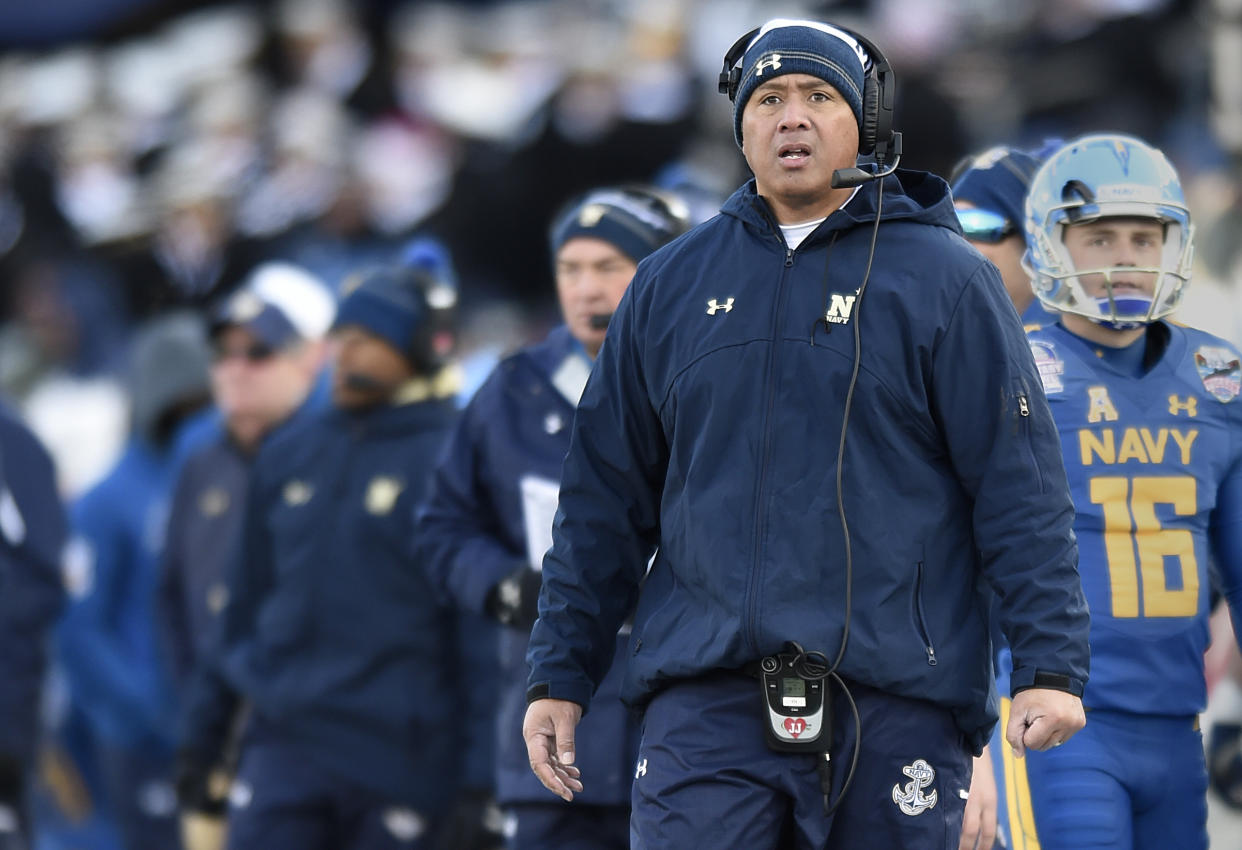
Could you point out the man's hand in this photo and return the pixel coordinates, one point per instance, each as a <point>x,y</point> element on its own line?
<point>201,788</point>
<point>979,821</point>
<point>1040,718</point>
<point>514,601</point>
<point>549,734</point>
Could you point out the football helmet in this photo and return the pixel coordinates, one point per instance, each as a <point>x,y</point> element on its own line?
<point>1100,176</point>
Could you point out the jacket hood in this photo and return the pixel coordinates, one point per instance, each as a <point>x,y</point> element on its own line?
<point>908,196</point>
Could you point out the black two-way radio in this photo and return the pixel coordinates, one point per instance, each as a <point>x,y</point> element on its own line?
<point>799,717</point>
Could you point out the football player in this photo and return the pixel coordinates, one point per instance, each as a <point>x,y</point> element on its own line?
<point>1151,432</point>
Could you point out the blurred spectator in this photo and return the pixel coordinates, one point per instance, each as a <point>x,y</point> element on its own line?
<point>108,643</point>
<point>267,349</point>
<point>195,254</point>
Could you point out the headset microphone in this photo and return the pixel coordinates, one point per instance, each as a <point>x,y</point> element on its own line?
<point>600,321</point>
<point>848,178</point>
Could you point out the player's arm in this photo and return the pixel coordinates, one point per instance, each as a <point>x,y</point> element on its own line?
<point>1004,447</point>
<point>460,541</point>
<point>605,531</point>
<point>979,819</point>
<point>96,660</point>
<point>172,621</point>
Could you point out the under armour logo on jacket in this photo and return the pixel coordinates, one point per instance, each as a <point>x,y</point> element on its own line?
<point>640,769</point>
<point>714,305</point>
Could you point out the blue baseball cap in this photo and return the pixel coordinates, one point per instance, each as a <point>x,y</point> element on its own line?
<point>995,182</point>
<point>279,304</point>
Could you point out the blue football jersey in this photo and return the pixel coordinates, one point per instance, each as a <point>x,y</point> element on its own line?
<point>1146,457</point>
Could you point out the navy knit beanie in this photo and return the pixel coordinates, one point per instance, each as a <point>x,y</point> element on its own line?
<point>786,46</point>
<point>405,307</point>
<point>996,180</point>
<point>635,221</point>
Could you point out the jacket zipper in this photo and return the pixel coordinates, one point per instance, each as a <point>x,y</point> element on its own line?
<point>922,618</point>
<point>752,585</point>
<point>1024,434</point>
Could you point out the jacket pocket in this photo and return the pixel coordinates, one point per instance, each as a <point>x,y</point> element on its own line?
<point>1020,410</point>
<point>920,617</point>
<point>661,590</point>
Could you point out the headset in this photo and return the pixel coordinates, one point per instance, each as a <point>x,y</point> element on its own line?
<point>434,335</point>
<point>876,135</point>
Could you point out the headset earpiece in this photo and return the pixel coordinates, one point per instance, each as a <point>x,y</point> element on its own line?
<point>432,339</point>
<point>731,73</point>
<point>869,128</point>
<point>876,134</point>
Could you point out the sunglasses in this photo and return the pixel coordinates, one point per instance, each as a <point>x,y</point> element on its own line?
<point>984,225</point>
<point>256,352</point>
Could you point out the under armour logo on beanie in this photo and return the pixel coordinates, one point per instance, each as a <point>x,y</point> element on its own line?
<point>786,46</point>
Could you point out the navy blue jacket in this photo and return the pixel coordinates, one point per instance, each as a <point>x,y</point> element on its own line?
<point>204,525</point>
<point>109,644</point>
<point>710,427</point>
<point>472,535</point>
<point>32,535</point>
<point>331,630</point>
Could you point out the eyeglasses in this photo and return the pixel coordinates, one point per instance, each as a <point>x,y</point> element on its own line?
<point>256,352</point>
<point>984,225</point>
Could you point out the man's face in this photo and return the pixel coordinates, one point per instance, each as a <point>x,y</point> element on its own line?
<point>591,277</point>
<point>1120,242</point>
<point>367,369</point>
<point>796,131</point>
<point>251,380</point>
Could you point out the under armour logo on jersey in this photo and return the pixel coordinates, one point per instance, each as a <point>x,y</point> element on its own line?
<point>911,799</point>
<point>714,305</point>
<point>773,62</point>
<point>641,769</point>
<point>839,308</point>
<point>1190,406</point>
<point>1100,406</point>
